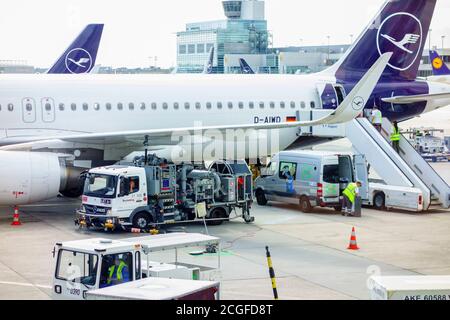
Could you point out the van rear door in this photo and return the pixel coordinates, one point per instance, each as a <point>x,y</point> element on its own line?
<point>361,174</point>
<point>330,178</point>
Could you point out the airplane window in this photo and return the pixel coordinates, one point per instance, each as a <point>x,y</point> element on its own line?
<point>282,105</point>
<point>176,106</point>
<point>230,105</point>
<point>198,106</point>
<point>165,105</point>
<point>73,106</point>
<point>261,105</point>
<point>131,106</point>
<point>10,107</point>
<point>272,105</point>
<point>61,107</point>
<point>96,106</point>
<point>292,104</point>
<point>142,106</point>
<point>29,107</point>
<point>154,106</point>
<point>187,105</point>
<point>241,105</point>
<point>108,106</point>
<point>85,106</point>
<point>48,107</point>
<point>208,105</point>
<point>251,105</point>
<point>303,105</point>
<point>219,105</point>
<point>120,106</point>
<point>313,105</point>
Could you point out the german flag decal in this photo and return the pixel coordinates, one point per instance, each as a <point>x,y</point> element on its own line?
<point>291,119</point>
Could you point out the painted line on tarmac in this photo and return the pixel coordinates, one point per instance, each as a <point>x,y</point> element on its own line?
<point>23,284</point>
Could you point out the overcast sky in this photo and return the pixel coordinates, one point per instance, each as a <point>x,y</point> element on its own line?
<point>40,30</point>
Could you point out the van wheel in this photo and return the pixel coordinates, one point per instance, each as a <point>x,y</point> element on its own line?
<point>305,205</point>
<point>216,213</point>
<point>261,198</point>
<point>379,201</point>
<point>142,220</point>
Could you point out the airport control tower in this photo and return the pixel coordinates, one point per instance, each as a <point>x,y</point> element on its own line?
<point>244,31</point>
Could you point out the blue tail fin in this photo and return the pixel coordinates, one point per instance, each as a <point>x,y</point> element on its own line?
<point>400,27</point>
<point>208,69</point>
<point>245,68</point>
<point>438,64</point>
<point>81,55</point>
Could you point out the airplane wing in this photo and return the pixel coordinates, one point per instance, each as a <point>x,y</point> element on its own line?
<point>417,98</point>
<point>349,109</point>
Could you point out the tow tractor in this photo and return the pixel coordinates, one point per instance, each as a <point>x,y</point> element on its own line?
<point>152,192</point>
<point>83,266</point>
<point>430,146</point>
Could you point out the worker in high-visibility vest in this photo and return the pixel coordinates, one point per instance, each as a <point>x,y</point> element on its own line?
<point>118,273</point>
<point>377,118</point>
<point>395,137</point>
<point>350,193</point>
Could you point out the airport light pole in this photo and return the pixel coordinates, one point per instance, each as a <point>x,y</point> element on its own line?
<point>328,60</point>
<point>429,38</point>
<point>443,39</point>
<point>351,38</point>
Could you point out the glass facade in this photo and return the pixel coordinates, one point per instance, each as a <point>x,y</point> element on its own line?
<point>231,36</point>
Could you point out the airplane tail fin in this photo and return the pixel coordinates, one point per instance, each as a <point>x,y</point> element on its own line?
<point>438,64</point>
<point>245,68</point>
<point>209,64</point>
<point>400,27</point>
<point>81,55</point>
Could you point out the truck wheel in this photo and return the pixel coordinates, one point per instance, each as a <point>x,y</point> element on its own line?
<point>142,220</point>
<point>379,201</point>
<point>216,213</point>
<point>261,198</point>
<point>305,205</point>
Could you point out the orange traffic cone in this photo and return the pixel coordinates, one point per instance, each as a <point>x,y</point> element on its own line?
<point>353,245</point>
<point>16,219</point>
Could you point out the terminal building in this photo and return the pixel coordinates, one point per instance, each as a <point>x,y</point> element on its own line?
<point>243,32</point>
<point>15,66</point>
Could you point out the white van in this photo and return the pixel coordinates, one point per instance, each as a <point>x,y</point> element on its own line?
<point>308,178</point>
<point>317,179</point>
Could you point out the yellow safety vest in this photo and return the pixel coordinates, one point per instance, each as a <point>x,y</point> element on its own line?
<point>350,192</point>
<point>118,274</point>
<point>395,136</point>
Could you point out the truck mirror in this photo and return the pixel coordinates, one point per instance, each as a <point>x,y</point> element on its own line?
<point>91,179</point>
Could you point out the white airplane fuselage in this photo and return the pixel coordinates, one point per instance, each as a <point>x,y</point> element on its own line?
<point>52,105</point>
<point>61,105</point>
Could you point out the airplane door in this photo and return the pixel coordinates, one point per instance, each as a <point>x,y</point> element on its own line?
<point>361,174</point>
<point>331,95</point>
<point>48,110</point>
<point>28,110</point>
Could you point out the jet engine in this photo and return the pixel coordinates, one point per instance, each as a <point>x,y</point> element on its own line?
<point>29,177</point>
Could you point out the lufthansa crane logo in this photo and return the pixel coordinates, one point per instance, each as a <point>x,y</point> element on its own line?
<point>438,63</point>
<point>79,60</point>
<point>405,45</point>
<point>358,103</point>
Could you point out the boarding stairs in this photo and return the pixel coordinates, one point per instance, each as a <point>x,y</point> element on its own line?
<point>406,169</point>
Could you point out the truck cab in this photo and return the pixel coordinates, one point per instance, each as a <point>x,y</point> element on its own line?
<point>89,264</point>
<point>111,193</point>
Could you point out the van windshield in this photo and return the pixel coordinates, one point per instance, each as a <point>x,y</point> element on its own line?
<point>77,267</point>
<point>331,173</point>
<point>100,186</point>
